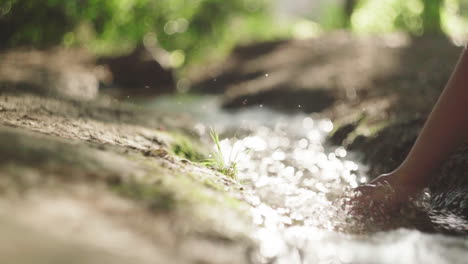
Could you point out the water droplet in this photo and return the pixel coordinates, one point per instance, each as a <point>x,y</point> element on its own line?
<point>308,123</point>
<point>341,152</point>
<point>278,155</point>
<point>326,125</point>
<point>303,143</point>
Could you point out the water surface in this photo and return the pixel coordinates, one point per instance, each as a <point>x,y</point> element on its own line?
<point>297,180</point>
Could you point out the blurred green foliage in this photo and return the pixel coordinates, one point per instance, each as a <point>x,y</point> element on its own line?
<point>333,16</point>
<point>193,28</point>
<point>431,16</point>
<point>413,16</point>
<point>417,17</point>
<point>389,15</point>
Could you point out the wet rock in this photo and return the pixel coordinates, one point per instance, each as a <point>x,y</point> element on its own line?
<point>387,148</point>
<point>138,73</point>
<point>342,133</point>
<point>454,173</point>
<point>294,100</point>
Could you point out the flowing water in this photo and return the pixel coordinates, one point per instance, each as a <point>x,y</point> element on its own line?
<point>296,181</point>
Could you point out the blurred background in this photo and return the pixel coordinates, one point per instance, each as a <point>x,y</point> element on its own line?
<point>200,29</point>
<point>186,33</point>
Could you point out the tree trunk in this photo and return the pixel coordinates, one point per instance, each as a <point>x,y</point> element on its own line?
<point>431,17</point>
<point>349,6</point>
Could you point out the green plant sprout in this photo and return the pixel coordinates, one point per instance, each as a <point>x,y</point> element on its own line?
<point>227,165</point>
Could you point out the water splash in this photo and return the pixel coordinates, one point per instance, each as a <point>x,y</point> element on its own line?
<point>296,182</point>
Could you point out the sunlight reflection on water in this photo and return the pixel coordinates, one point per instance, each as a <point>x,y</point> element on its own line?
<point>295,180</point>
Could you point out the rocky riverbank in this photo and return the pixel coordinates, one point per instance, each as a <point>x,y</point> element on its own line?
<point>105,180</point>
<point>111,183</point>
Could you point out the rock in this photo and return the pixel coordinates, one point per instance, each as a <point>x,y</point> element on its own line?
<point>387,148</point>
<point>138,73</point>
<point>56,72</point>
<point>316,74</point>
<point>339,135</point>
<point>78,84</point>
<point>64,162</point>
<point>293,100</point>
<point>216,78</point>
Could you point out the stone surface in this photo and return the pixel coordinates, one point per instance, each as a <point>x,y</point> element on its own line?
<point>99,183</point>
<point>139,74</point>
<point>56,72</point>
<point>317,74</point>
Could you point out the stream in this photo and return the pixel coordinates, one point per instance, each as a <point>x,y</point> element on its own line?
<point>295,180</point>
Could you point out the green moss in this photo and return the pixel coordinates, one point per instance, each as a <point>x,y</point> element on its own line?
<point>180,189</point>
<point>211,183</point>
<point>344,130</point>
<point>154,196</point>
<point>364,132</point>
<point>186,147</point>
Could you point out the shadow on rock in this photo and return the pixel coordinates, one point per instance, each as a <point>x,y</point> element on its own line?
<point>295,100</point>
<point>139,74</point>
